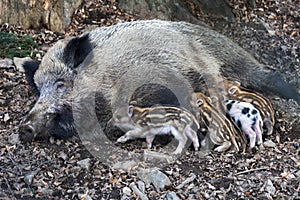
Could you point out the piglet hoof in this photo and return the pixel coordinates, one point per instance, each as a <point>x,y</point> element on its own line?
<point>177,152</point>
<point>261,147</point>
<point>253,150</point>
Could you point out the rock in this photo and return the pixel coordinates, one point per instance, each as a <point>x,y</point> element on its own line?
<point>172,196</point>
<point>14,138</point>
<point>6,117</point>
<point>18,62</point>
<point>141,186</point>
<point>175,10</point>
<point>269,187</point>
<point>127,191</point>
<point>269,143</point>
<point>154,176</point>
<point>125,165</point>
<point>6,63</point>
<point>85,163</point>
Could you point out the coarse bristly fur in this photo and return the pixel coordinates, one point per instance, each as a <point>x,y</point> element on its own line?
<point>117,60</point>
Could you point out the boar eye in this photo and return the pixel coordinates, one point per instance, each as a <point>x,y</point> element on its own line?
<point>60,86</point>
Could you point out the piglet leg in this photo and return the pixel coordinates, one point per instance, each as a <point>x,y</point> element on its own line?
<point>129,135</point>
<point>258,131</point>
<point>190,133</point>
<point>182,139</point>
<point>252,136</point>
<point>149,140</point>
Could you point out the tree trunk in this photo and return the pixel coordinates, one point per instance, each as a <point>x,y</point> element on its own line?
<point>52,14</point>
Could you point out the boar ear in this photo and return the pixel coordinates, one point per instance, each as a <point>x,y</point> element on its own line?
<point>232,89</point>
<point>130,110</point>
<point>30,68</point>
<point>76,50</point>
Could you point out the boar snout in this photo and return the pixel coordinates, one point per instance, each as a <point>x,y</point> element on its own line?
<point>36,122</point>
<point>27,132</point>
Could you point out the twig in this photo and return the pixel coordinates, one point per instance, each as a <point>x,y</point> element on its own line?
<point>138,192</point>
<point>186,181</point>
<point>14,162</point>
<point>9,188</point>
<point>251,170</point>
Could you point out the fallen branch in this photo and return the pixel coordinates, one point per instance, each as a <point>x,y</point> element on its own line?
<point>9,188</point>
<point>251,170</point>
<point>186,181</point>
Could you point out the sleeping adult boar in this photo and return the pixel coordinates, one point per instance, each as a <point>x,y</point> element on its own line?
<point>115,61</point>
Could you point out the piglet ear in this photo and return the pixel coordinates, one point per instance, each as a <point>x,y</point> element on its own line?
<point>238,84</point>
<point>232,89</point>
<point>133,103</point>
<point>30,68</point>
<point>130,110</point>
<point>199,102</point>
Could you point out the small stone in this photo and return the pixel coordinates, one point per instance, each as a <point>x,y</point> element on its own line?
<point>28,177</point>
<point>6,117</point>
<point>154,176</point>
<point>269,187</point>
<point>172,196</point>
<point>14,138</point>
<point>85,163</point>
<point>18,62</point>
<point>84,197</point>
<point>125,165</point>
<point>141,186</point>
<point>206,195</point>
<point>269,143</point>
<point>6,63</point>
<point>127,191</point>
<point>45,191</point>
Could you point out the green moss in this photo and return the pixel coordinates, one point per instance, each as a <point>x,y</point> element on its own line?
<point>14,46</point>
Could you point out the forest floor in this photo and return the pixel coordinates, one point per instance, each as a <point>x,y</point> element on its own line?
<point>64,169</point>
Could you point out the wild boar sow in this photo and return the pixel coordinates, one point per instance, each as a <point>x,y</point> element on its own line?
<point>113,62</point>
